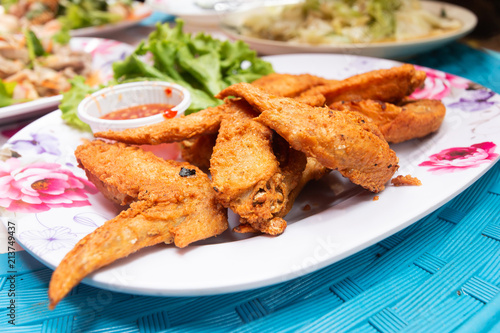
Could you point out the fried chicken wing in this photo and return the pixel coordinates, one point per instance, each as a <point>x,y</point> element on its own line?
<point>288,85</point>
<point>413,119</point>
<point>344,141</point>
<point>313,171</point>
<point>198,150</point>
<point>246,173</point>
<point>388,85</point>
<point>170,202</point>
<point>295,169</point>
<point>172,130</point>
<point>207,121</point>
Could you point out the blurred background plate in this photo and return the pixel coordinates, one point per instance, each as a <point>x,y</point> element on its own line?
<point>232,22</point>
<point>104,53</point>
<point>188,11</point>
<point>207,13</point>
<point>140,12</point>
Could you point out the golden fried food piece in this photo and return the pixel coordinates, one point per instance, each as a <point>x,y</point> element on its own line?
<point>246,173</point>
<point>172,130</point>
<point>413,119</point>
<point>170,202</point>
<point>406,181</point>
<point>296,168</point>
<point>388,85</point>
<point>207,121</point>
<point>274,227</point>
<point>344,141</point>
<point>295,178</point>
<point>198,150</point>
<point>312,100</point>
<point>313,171</point>
<point>288,85</point>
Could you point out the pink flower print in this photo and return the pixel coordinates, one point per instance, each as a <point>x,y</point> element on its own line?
<point>460,158</point>
<point>41,186</point>
<point>438,84</point>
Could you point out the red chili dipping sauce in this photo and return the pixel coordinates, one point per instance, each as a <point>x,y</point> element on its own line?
<point>141,111</point>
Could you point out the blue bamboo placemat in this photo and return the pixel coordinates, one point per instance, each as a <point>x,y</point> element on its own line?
<point>441,274</point>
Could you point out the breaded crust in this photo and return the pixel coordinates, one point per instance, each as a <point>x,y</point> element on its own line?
<point>246,173</point>
<point>172,202</point>
<point>344,141</point>
<point>288,85</point>
<point>388,85</point>
<point>413,119</point>
<point>171,130</point>
<point>198,150</point>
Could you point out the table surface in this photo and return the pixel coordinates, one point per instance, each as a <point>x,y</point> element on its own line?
<point>442,273</point>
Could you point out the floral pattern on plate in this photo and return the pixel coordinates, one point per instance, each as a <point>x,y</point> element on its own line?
<point>438,84</point>
<point>49,239</point>
<point>41,186</point>
<point>460,158</point>
<point>475,100</point>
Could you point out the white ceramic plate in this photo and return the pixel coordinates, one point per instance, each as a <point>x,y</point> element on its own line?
<point>186,10</point>
<point>203,16</point>
<point>104,51</point>
<point>140,12</point>
<point>341,219</point>
<point>232,22</point>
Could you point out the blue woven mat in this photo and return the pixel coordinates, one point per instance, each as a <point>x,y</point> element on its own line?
<point>441,274</point>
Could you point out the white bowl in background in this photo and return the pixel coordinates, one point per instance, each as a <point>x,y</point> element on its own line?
<point>121,96</point>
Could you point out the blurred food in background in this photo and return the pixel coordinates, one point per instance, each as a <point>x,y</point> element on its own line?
<point>49,16</point>
<point>348,21</point>
<point>31,68</point>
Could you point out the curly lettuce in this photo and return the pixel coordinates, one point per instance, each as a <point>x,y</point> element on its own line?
<point>200,63</point>
<point>69,103</point>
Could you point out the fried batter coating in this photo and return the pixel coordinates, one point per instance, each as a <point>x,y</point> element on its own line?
<point>406,181</point>
<point>414,119</point>
<point>344,141</point>
<point>170,202</point>
<point>274,227</point>
<point>388,85</point>
<point>172,130</point>
<point>288,85</point>
<point>198,150</point>
<point>246,173</point>
<point>207,121</point>
<point>313,171</point>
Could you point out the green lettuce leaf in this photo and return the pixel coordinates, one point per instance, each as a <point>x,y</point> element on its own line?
<point>82,15</point>
<point>200,63</point>
<point>6,91</point>
<point>71,99</point>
